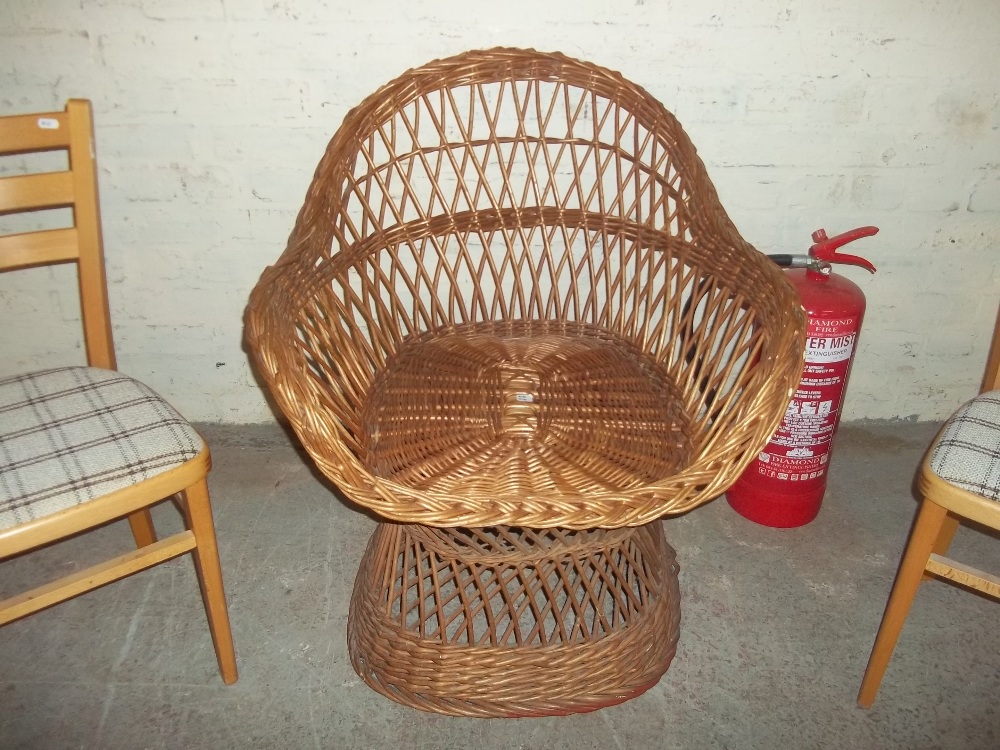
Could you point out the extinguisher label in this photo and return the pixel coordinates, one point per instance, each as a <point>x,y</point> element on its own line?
<point>829,348</point>
<point>800,449</point>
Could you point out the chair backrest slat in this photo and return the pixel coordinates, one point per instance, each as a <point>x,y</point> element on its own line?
<point>37,132</point>
<point>38,248</point>
<point>74,188</point>
<point>32,192</point>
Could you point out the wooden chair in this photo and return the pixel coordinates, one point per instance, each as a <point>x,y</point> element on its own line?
<point>514,319</point>
<point>958,480</point>
<point>83,446</point>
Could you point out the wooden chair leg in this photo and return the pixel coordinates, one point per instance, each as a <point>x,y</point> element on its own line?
<point>926,532</point>
<point>141,523</point>
<point>948,528</point>
<point>209,570</point>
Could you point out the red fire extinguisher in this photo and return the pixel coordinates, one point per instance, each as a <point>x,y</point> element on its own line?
<point>785,484</point>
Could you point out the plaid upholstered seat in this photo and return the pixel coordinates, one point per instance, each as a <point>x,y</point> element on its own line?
<point>968,452</point>
<point>78,433</point>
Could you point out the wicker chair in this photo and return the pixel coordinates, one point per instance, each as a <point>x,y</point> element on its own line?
<point>514,320</point>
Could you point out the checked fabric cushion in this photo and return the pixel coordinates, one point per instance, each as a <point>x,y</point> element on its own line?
<point>968,453</point>
<point>78,433</point>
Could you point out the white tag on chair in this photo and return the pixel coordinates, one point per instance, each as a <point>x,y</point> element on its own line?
<point>48,123</point>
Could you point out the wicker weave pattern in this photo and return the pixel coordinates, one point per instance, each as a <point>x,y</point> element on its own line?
<point>588,410</point>
<point>536,623</point>
<point>504,195</point>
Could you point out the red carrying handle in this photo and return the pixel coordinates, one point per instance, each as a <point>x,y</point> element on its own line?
<point>825,248</point>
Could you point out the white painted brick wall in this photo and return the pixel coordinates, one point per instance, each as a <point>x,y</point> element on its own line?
<point>212,114</point>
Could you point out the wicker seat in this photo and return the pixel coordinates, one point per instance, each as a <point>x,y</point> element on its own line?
<point>513,317</point>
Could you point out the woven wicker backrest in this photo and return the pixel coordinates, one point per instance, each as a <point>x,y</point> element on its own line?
<point>503,132</point>
<point>508,186</point>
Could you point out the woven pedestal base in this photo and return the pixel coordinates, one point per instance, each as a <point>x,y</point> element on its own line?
<point>508,621</point>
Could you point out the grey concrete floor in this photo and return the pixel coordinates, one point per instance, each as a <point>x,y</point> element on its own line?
<point>776,630</point>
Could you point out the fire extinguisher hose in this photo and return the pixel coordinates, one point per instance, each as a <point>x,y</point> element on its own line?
<point>787,260</point>
<point>783,260</point>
